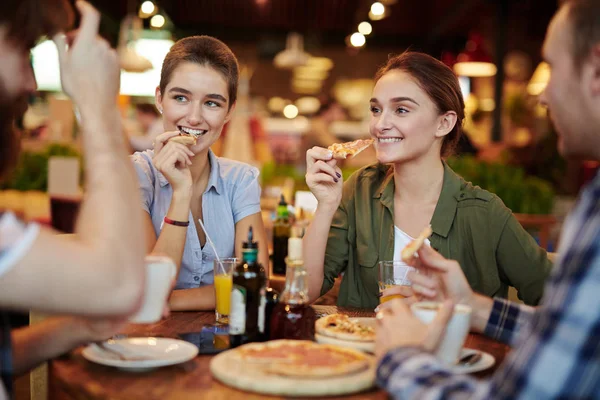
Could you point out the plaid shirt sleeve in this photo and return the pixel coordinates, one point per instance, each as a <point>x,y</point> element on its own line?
<point>507,320</point>
<point>412,373</point>
<point>557,354</point>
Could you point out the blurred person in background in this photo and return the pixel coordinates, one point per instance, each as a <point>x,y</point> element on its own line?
<point>416,118</point>
<point>556,351</point>
<point>151,124</point>
<point>182,184</point>
<point>96,273</point>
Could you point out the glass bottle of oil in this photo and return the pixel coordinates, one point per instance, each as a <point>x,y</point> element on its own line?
<point>293,317</point>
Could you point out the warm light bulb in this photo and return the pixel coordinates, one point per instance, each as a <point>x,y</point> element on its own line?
<point>148,7</point>
<point>290,111</point>
<point>357,39</point>
<point>365,28</point>
<point>377,8</point>
<point>157,21</point>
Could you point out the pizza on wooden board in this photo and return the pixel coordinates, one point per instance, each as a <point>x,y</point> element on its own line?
<point>411,249</point>
<point>343,150</point>
<point>303,359</point>
<point>340,326</point>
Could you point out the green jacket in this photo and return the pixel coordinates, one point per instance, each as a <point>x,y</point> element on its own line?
<point>470,225</point>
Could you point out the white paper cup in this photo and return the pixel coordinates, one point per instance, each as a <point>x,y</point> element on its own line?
<point>456,331</point>
<point>160,272</point>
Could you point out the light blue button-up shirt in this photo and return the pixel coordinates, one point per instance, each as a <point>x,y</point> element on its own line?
<point>232,193</point>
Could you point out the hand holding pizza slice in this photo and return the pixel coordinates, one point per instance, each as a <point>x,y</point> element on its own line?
<point>413,247</point>
<point>187,140</point>
<point>342,150</point>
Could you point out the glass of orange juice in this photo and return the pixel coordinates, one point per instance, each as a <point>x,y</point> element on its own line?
<point>223,270</point>
<point>392,274</point>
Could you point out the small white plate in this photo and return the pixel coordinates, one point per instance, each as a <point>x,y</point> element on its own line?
<point>366,346</point>
<point>485,362</point>
<point>146,353</point>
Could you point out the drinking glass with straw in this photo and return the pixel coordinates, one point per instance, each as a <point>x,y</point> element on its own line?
<point>223,270</point>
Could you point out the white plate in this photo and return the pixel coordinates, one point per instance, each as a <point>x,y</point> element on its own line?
<point>485,362</point>
<point>368,347</point>
<point>153,352</point>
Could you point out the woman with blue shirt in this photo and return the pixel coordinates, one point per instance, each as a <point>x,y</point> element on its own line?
<point>181,184</point>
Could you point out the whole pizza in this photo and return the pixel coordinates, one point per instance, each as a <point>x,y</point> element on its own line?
<point>295,368</point>
<point>340,326</point>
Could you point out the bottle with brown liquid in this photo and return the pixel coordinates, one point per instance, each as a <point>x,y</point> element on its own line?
<point>292,317</point>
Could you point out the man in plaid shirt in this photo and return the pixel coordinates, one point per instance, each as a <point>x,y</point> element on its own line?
<point>556,346</point>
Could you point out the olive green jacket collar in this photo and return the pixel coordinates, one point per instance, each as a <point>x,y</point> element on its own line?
<point>444,213</point>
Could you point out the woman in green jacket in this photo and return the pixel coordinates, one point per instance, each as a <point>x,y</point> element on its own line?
<point>417,112</point>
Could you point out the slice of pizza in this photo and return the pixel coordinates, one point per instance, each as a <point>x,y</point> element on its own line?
<point>343,150</point>
<point>340,326</point>
<point>185,139</point>
<point>411,249</point>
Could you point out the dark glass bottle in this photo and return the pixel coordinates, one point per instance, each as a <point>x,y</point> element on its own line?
<point>247,313</point>
<point>281,235</point>
<point>293,317</point>
<point>272,298</point>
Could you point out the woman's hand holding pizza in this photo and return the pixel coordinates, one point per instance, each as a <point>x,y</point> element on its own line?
<point>173,160</point>
<point>324,177</point>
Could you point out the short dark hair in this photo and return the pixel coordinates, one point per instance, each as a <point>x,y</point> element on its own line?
<point>584,16</point>
<point>203,50</point>
<point>29,20</point>
<point>440,84</point>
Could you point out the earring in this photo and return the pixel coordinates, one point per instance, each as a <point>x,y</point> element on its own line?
<point>160,110</point>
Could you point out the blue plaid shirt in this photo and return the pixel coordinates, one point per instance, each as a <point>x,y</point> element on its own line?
<point>557,346</point>
<point>6,374</point>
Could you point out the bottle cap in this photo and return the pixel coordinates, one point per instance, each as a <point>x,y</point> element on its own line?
<point>282,201</point>
<point>250,243</point>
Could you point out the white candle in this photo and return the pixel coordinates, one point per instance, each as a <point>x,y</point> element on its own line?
<point>295,248</point>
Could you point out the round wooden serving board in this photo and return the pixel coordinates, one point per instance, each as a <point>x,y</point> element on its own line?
<point>229,369</point>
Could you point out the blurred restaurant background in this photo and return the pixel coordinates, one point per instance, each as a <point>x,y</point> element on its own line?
<point>306,79</point>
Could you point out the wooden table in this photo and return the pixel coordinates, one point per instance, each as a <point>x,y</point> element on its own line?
<point>73,377</point>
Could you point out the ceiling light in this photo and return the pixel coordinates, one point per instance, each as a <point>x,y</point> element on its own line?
<point>129,59</point>
<point>148,8</point>
<point>365,28</point>
<point>357,39</point>
<point>474,61</point>
<point>158,21</point>
<point>290,111</point>
<point>377,8</point>
<point>310,73</point>
<point>321,63</point>
<point>293,55</point>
